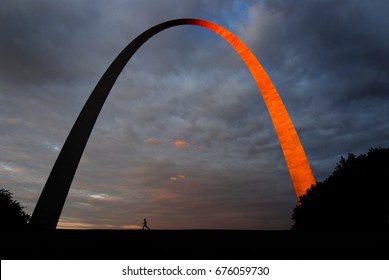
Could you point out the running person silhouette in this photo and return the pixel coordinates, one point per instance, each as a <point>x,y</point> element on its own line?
<point>145,224</point>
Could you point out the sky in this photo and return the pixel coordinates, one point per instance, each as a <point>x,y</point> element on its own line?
<point>184,138</point>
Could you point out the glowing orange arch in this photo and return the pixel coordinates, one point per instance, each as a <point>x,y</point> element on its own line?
<point>49,207</point>
<point>296,160</point>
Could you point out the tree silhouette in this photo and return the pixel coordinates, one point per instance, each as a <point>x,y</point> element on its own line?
<point>11,212</point>
<point>355,196</point>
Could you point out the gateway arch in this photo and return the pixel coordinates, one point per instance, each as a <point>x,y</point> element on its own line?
<point>52,199</point>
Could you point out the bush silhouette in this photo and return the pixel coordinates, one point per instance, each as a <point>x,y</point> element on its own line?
<point>355,196</point>
<point>11,212</point>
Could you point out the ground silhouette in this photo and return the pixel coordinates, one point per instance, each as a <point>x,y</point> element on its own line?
<point>193,244</point>
<point>355,196</point>
<point>11,212</point>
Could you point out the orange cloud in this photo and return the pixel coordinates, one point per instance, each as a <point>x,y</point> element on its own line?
<point>153,141</point>
<point>177,177</point>
<point>181,144</point>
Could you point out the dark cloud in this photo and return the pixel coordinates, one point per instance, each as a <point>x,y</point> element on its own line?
<point>186,107</point>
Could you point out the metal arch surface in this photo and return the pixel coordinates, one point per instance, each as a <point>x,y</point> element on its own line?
<point>52,199</point>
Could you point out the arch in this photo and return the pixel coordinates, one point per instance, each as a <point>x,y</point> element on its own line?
<point>52,199</point>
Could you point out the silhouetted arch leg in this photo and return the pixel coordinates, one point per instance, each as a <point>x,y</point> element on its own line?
<point>50,204</point>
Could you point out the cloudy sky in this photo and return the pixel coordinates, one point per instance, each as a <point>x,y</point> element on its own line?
<point>185,139</point>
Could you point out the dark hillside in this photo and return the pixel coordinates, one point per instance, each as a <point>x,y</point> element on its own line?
<point>194,244</point>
